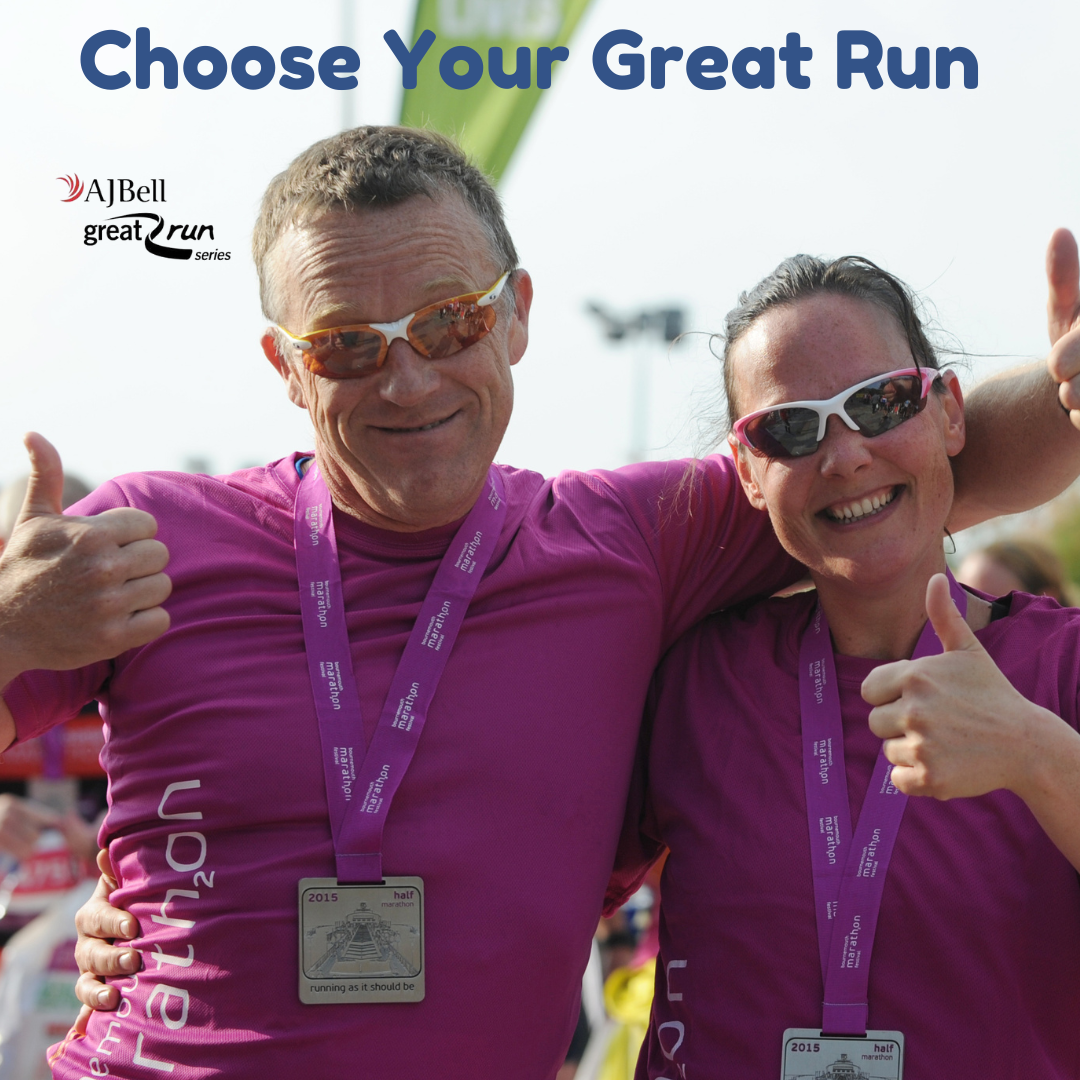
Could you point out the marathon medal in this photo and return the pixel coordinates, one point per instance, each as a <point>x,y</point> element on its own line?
<point>361,943</point>
<point>809,1055</point>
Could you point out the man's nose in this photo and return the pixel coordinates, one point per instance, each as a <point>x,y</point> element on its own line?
<point>843,451</point>
<point>406,377</point>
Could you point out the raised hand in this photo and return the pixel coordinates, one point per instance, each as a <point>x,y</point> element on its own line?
<point>1063,319</point>
<point>953,725</point>
<point>75,590</point>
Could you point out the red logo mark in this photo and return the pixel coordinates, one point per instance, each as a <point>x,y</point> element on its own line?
<point>75,187</point>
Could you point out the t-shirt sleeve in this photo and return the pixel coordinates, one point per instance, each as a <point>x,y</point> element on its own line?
<point>40,700</point>
<point>712,548</point>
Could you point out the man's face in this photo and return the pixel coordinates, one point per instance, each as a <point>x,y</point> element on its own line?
<point>407,447</point>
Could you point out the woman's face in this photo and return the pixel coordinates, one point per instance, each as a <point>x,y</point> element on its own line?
<point>812,350</point>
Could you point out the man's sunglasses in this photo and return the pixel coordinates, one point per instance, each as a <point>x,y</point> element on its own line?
<point>796,428</point>
<point>435,331</point>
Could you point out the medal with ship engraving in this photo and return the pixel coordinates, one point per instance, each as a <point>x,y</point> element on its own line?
<point>809,1055</point>
<point>361,943</point>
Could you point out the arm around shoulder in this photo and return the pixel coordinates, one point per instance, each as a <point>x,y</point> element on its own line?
<point>1022,449</point>
<point>1023,442</point>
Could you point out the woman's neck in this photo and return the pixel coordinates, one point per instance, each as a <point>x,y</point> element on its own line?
<point>884,622</point>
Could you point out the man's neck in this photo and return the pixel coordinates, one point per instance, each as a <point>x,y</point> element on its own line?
<point>884,622</point>
<point>347,497</point>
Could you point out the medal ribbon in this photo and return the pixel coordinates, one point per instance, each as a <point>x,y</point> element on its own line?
<point>360,787</point>
<point>849,871</point>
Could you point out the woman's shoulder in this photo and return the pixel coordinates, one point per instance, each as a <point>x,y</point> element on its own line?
<point>1021,617</point>
<point>1037,647</point>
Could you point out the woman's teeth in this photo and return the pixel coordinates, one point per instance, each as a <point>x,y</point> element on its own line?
<point>860,508</point>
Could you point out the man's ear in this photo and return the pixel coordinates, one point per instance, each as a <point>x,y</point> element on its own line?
<point>952,403</point>
<point>518,337</point>
<point>284,369</point>
<point>742,467</point>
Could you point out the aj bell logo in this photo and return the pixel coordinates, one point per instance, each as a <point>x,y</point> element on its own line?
<point>75,187</point>
<point>139,225</point>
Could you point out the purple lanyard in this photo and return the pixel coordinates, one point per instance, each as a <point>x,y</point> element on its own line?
<point>849,871</point>
<point>360,787</point>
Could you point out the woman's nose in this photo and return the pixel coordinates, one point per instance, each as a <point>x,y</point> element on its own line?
<point>842,451</point>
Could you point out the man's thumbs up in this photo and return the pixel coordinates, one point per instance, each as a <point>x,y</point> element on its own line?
<point>45,488</point>
<point>1063,280</point>
<point>953,725</point>
<point>76,590</point>
<point>1063,319</point>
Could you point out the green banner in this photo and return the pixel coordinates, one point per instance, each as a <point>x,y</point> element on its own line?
<point>489,117</point>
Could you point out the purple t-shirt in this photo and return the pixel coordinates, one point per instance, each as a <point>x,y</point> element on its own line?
<point>510,811</point>
<point>977,954</point>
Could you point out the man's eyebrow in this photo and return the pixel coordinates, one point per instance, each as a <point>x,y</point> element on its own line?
<point>457,284</point>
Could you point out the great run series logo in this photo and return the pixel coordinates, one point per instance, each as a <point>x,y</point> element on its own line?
<point>158,235</point>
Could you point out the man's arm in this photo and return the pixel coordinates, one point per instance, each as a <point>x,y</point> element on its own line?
<point>74,590</point>
<point>1023,448</point>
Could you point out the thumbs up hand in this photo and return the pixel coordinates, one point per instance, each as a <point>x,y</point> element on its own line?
<point>953,725</point>
<point>75,590</point>
<point>1063,319</point>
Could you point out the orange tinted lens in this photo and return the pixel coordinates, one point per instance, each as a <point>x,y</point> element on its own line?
<point>444,329</point>
<point>345,353</point>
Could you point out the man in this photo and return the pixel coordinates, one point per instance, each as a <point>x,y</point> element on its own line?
<point>509,811</point>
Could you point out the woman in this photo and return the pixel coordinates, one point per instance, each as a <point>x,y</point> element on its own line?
<point>843,431</point>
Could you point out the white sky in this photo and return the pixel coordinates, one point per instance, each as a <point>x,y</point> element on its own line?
<point>632,198</point>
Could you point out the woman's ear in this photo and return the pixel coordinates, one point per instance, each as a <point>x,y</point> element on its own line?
<point>952,403</point>
<point>746,475</point>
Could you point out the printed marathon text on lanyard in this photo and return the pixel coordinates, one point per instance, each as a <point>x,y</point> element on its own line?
<point>361,936</point>
<point>849,867</point>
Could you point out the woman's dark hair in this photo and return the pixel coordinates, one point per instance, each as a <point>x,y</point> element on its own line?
<point>802,276</point>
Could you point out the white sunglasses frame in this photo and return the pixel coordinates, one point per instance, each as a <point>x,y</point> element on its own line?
<point>393,331</point>
<point>834,406</point>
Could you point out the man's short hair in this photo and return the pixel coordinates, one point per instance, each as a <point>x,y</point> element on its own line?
<point>371,167</point>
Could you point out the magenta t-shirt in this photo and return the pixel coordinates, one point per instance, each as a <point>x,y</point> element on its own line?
<point>510,811</point>
<point>977,953</point>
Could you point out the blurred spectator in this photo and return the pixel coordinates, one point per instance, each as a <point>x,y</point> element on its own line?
<point>1016,566</point>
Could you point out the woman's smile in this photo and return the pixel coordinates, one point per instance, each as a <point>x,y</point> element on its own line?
<point>846,511</point>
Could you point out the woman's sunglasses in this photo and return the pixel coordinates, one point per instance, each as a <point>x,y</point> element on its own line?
<point>435,331</point>
<point>796,428</point>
